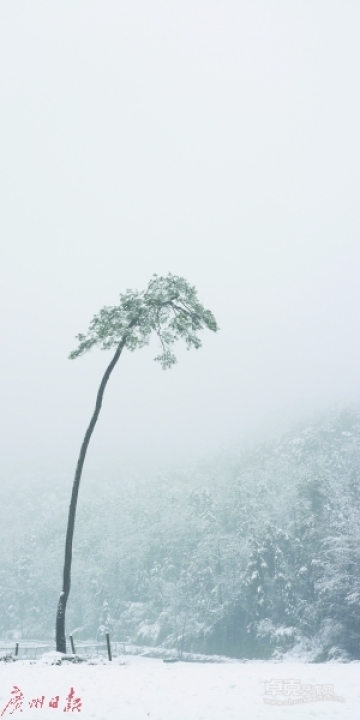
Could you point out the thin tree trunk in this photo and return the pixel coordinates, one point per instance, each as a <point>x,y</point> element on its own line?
<point>60,617</point>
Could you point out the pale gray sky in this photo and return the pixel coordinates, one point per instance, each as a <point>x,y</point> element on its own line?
<point>215,140</point>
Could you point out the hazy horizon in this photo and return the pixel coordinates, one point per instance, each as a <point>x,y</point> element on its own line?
<point>217,141</point>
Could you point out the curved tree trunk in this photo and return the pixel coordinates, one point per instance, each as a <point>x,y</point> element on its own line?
<point>60,617</point>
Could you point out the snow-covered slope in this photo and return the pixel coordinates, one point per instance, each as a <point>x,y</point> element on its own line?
<point>251,555</point>
<point>149,689</point>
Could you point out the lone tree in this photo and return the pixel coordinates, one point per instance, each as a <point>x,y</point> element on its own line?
<point>170,308</point>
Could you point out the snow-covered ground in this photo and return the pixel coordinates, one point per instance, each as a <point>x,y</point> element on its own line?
<point>139,688</point>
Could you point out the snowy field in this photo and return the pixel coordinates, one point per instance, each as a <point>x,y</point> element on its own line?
<point>138,688</point>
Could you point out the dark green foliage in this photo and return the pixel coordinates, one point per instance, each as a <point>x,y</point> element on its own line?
<point>169,307</point>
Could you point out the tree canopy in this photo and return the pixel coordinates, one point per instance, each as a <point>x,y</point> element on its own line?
<point>169,307</point>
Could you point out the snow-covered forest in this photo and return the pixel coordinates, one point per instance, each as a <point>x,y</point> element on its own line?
<point>250,556</point>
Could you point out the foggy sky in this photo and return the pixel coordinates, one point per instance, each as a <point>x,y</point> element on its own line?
<point>214,140</point>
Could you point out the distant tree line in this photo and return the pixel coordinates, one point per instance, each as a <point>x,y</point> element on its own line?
<point>249,556</point>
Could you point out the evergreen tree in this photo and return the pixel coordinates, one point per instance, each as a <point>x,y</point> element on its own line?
<point>169,307</point>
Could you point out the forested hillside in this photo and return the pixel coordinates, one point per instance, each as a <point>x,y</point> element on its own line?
<point>248,556</point>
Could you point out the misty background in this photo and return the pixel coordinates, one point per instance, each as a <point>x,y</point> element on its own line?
<point>214,140</point>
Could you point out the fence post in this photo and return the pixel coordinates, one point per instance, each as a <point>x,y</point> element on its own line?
<point>16,649</point>
<point>72,645</point>
<point>108,646</point>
